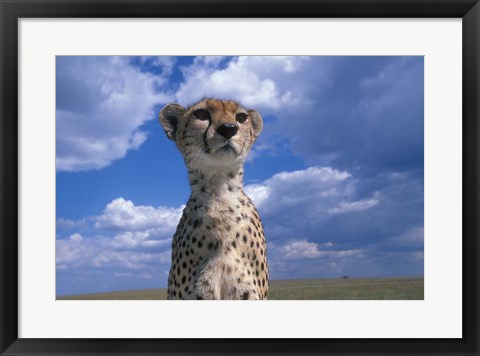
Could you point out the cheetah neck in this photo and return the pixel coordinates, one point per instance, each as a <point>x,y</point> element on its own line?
<point>216,184</point>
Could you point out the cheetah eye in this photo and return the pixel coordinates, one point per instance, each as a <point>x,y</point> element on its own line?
<point>241,118</point>
<point>202,114</point>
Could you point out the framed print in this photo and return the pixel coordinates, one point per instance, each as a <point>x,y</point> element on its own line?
<point>163,162</point>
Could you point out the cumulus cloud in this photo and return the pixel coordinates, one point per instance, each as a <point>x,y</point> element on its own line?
<point>121,214</point>
<point>364,112</point>
<point>314,192</point>
<point>126,250</point>
<point>357,120</point>
<point>303,249</point>
<point>164,64</point>
<point>359,111</point>
<point>301,203</point>
<point>125,236</point>
<point>361,205</point>
<point>260,82</point>
<point>299,250</point>
<point>102,103</point>
<point>106,256</point>
<point>133,241</point>
<point>303,259</point>
<point>313,203</point>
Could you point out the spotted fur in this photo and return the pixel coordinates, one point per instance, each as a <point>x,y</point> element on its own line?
<point>219,249</point>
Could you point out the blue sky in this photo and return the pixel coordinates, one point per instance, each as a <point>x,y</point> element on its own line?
<point>337,173</point>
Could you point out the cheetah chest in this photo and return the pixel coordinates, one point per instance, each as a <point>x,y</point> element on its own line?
<point>219,252</point>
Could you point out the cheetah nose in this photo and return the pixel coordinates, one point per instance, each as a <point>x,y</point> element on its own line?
<point>227,130</point>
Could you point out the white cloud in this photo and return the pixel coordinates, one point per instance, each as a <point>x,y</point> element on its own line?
<point>120,252</point>
<point>101,104</point>
<point>293,201</point>
<point>361,205</point>
<point>164,63</point>
<point>304,259</point>
<point>259,193</point>
<point>306,203</point>
<point>141,239</point>
<point>121,214</point>
<point>299,250</point>
<point>70,251</point>
<point>144,236</point>
<point>265,83</point>
<point>302,249</point>
<point>314,186</point>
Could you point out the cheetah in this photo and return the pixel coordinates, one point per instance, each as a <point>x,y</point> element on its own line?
<point>218,249</point>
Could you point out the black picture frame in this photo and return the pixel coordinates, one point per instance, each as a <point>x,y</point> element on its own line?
<point>12,11</point>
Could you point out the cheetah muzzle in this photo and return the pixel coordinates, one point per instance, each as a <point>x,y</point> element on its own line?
<point>219,249</point>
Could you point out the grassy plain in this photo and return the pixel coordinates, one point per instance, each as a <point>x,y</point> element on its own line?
<point>410,288</point>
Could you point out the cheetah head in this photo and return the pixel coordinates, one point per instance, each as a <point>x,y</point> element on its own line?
<point>212,133</point>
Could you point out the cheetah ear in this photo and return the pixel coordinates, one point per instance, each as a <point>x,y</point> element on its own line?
<point>257,122</point>
<point>169,117</point>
